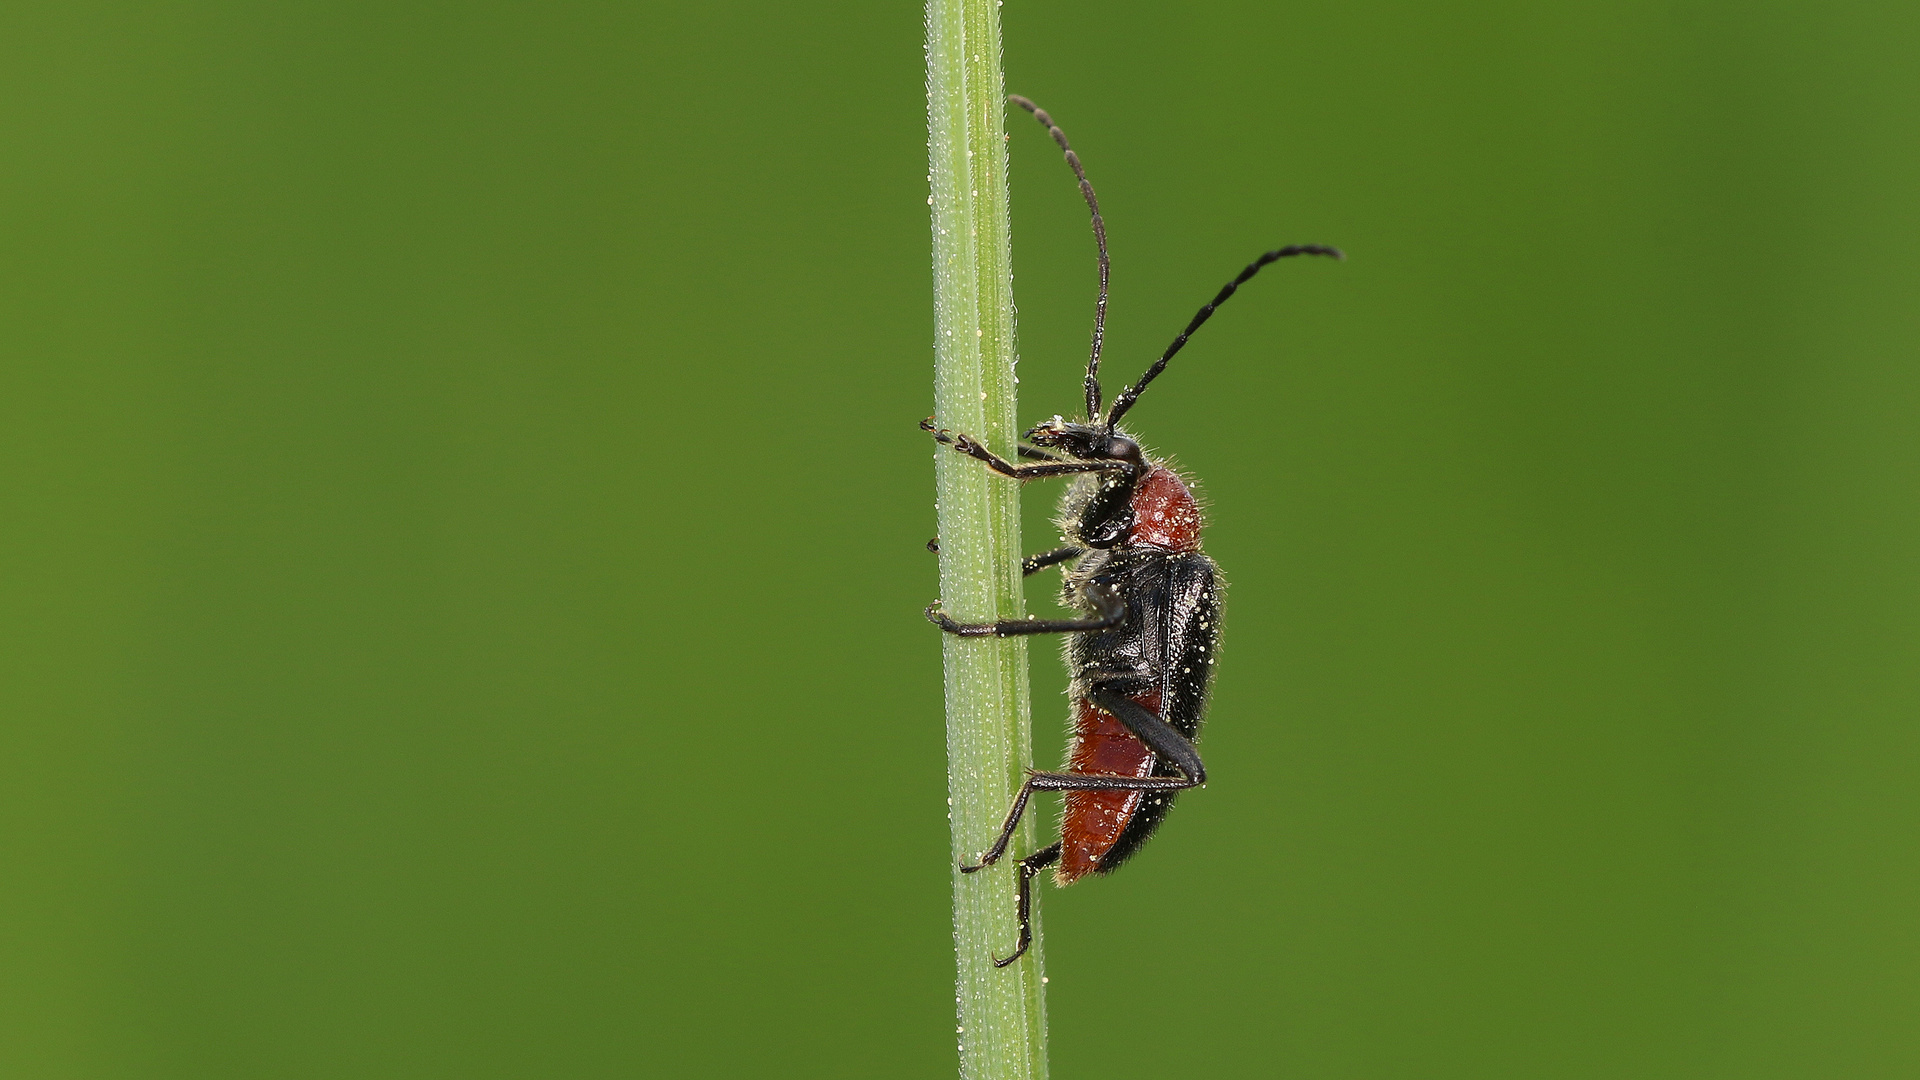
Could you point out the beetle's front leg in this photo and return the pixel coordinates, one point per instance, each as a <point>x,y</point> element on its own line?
<point>966,444</point>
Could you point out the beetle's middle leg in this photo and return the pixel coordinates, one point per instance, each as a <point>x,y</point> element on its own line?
<point>1033,564</point>
<point>1109,610</point>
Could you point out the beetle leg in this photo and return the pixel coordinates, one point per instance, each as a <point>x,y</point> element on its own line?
<point>1160,738</point>
<point>1033,564</point>
<point>1111,611</point>
<point>1157,734</point>
<point>1045,857</point>
<point>999,848</point>
<point>966,444</point>
<point>1073,781</point>
<point>1030,868</point>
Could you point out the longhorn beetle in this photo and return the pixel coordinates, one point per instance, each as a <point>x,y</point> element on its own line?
<point>1142,652</point>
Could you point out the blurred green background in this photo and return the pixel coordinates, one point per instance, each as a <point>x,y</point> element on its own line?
<point>463,531</point>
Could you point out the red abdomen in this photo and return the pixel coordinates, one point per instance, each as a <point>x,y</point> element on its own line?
<point>1094,820</point>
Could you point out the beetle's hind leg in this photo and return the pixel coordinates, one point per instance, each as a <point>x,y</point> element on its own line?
<point>1158,735</point>
<point>1030,868</point>
<point>1069,781</point>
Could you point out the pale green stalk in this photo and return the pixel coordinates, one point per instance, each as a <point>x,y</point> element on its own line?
<point>1002,1016</point>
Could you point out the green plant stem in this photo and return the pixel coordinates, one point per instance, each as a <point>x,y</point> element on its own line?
<point>1002,1018</point>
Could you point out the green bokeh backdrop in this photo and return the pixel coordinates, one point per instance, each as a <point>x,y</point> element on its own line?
<point>463,521</point>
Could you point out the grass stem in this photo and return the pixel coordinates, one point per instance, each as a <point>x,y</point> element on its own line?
<point>1002,1018</point>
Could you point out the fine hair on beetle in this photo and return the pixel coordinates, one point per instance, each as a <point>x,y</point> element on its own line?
<point>1141,652</point>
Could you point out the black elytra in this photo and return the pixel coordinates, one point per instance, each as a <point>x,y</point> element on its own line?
<point>1142,650</point>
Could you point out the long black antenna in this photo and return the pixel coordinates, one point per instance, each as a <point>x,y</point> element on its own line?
<point>1132,393</point>
<point>1099,237</point>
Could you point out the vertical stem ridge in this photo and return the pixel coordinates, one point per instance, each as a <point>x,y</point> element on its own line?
<point>1001,1012</point>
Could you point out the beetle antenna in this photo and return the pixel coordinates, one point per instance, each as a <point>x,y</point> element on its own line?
<point>1099,238</point>
<point>1127,397</point>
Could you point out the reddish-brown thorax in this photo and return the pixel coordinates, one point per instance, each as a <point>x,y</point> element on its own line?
<point>1093,820</point>
<point>1164,512</point>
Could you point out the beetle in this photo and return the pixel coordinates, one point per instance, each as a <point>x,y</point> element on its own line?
<point>1142,652</point>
